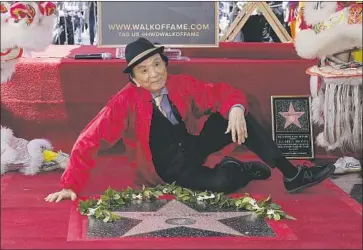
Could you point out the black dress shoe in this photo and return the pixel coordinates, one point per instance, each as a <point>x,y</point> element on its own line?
<point>307,177</point>
<point>254,169</point>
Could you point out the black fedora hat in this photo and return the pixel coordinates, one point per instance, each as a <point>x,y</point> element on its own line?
<point>138,51</point>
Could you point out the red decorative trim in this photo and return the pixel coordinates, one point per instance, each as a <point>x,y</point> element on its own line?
<point>8,51</point>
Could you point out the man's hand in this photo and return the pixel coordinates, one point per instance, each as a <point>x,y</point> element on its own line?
<point>62,195</point>
<point>237,125</point>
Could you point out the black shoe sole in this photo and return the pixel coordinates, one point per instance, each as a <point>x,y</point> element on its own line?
<point>301,188</point>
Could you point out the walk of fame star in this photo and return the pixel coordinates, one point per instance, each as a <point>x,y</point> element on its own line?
<point>292,117</point>
<point>176,214</point>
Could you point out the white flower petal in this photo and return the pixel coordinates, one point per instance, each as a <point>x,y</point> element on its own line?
<point>270,211</point>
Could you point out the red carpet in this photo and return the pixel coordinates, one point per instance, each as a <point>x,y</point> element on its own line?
<point>326,217</point>
<point>48,93</point>
<point>55,98</point>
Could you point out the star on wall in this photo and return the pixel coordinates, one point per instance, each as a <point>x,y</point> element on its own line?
<point>292,117</point>
<point>176,214</point>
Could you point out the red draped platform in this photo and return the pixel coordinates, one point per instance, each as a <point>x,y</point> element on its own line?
<point>53,96</point>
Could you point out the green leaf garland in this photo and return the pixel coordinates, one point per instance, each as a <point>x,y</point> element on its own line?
<point>111,200</point>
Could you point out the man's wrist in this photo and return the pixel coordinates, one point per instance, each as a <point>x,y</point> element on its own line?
<point>238,106</point>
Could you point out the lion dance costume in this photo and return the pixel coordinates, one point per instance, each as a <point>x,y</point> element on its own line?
<point>26,26</point>
<point>334,37</point>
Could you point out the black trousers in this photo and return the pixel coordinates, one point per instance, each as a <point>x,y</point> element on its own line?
<point>212,139</point>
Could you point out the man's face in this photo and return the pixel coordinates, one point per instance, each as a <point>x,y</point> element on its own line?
<point>151,74</point>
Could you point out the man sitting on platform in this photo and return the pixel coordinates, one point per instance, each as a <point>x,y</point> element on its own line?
<point>155,107</point>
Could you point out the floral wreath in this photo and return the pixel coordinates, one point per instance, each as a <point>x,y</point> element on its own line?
<point>103,207</point>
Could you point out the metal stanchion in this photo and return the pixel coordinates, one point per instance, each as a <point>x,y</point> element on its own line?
<point>95,21</point>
